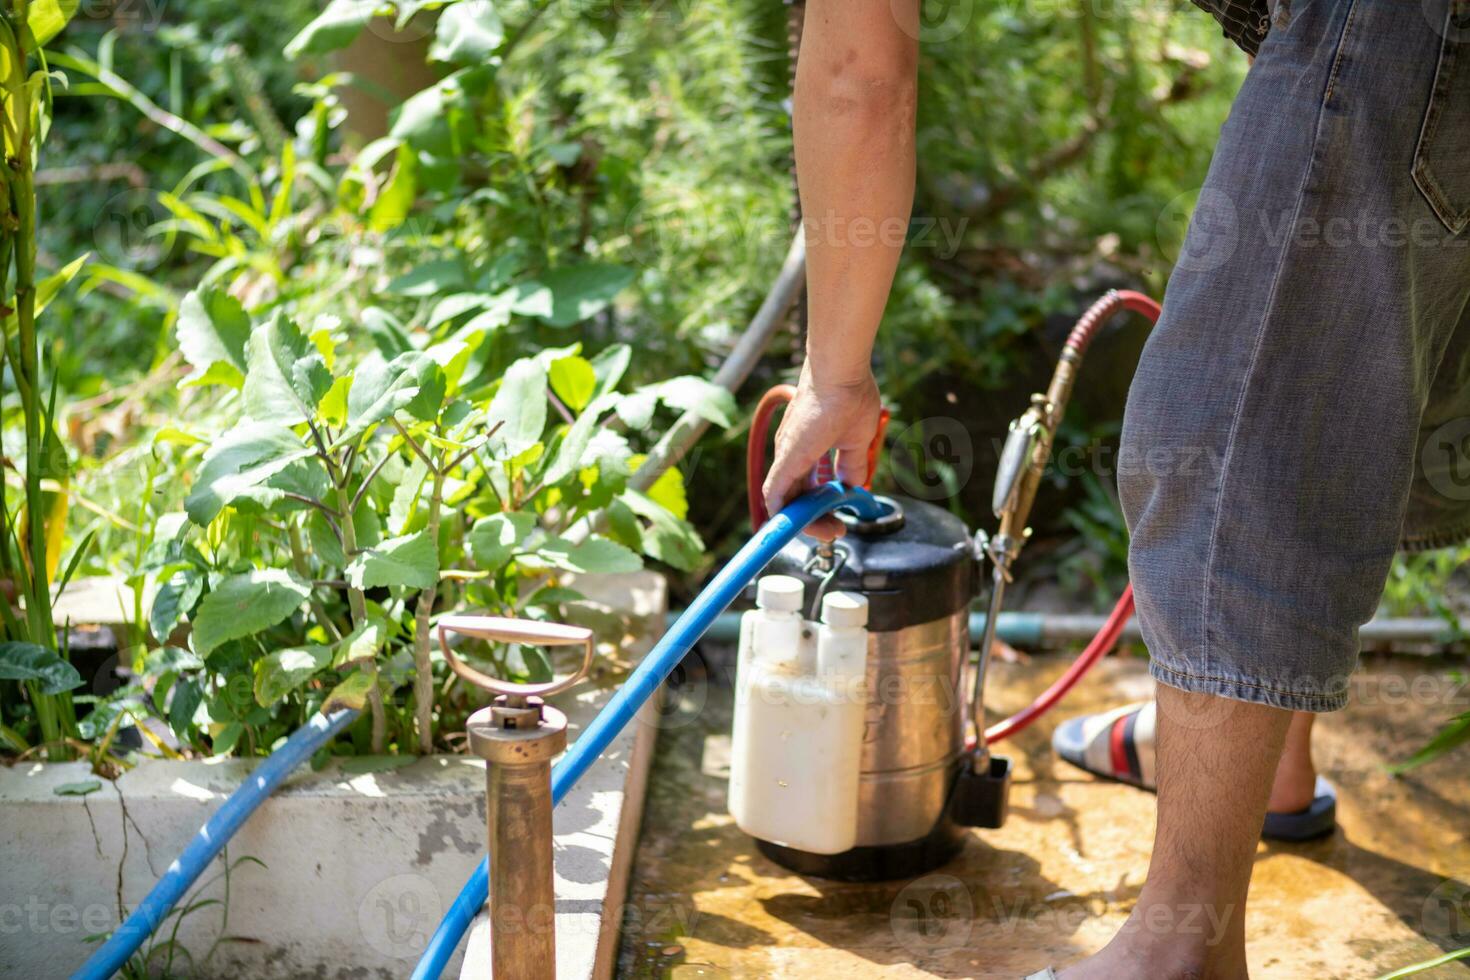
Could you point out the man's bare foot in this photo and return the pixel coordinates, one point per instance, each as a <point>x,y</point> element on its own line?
<point>1214,780</point>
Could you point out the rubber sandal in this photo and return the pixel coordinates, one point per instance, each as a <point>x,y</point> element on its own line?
<point>1119,745</point>
<point>1116,744</point>
<point>1319,819</point>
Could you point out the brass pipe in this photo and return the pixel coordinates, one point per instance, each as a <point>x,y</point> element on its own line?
<point>518,743</point>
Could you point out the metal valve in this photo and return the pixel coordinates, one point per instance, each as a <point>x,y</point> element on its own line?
<point>518,735</point>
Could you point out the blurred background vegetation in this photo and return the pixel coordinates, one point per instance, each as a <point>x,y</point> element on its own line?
<point>1059,148</point>
<point>631,159</point>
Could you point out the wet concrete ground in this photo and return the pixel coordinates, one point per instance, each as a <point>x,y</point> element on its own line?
<point>1392,887</point>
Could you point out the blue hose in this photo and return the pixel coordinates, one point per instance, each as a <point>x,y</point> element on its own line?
<point>644,681</point>
<point>112,955</point>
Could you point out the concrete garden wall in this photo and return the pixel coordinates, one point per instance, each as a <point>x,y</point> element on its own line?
<point>360,859</point>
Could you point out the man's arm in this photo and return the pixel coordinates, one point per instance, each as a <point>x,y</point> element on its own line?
<point>856,85</point>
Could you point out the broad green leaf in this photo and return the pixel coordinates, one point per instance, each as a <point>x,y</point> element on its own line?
<point>243,458</point>
<point>286,376</point>
<point>468,33</point>
<point>421,117</point>
<point>411,561</point>
<point>213,331</point>
<point>667,491</point>
<point>495,538</point>
<point>610,451</point>
<point>574,381</point>
<point>519,407</point>
<point>704,398</point>
<point>21,661</point>
<point>387,332</point>
<point>571,455</point>
<point>324,543</point>
<point>609,366</point>
<point>380,388</point>
<point>430,279</point>
<point>667,538</point>
<point>171,660</point>
<point>174,600</point>
<point>361,644</point>
<point>395,199</point>
<point>333,407</point>
<point>456,305</point>
<point>406,492</point>
<point>593,556</point>
<point>636,410</point>
<point>183,704</point>
<point>224,737</point>
<point>571,294</point>
<point>352,692</point>
<point>333,28</point>
<point>280,492</point>
<point>46,18</point>
<point>278,674</point>
<point>245,604</point>
<point>408,9</point>
<point>623,525</point>
<point>79,788</point>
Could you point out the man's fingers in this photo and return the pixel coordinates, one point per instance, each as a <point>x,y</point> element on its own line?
<point>780,487</point>
<point>826,528</point>
<point>852,467</point>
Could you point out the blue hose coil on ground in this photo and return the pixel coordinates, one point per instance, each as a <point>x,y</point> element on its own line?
<point>644,681</point>
<point>112,955</point>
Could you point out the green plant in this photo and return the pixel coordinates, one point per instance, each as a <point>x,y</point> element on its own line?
<point>31,536</point>
<point>166,957</point>
<point>1409,971</point>
<point>353,491</point>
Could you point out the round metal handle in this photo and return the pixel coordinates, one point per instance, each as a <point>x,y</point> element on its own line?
<point>507,630</point>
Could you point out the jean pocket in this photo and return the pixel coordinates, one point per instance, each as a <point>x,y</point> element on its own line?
<point>1442,158</point>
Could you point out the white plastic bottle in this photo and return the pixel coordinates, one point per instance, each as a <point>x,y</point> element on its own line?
<point>770,633</point>
<point>798,744</point>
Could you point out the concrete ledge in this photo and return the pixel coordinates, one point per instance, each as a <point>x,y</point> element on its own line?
<point>358,866</point>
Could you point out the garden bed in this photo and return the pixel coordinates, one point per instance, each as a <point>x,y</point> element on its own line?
<point>344,872</point>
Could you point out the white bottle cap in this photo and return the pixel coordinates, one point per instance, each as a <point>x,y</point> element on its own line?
<point>779,592</point>
<point>845,610</point>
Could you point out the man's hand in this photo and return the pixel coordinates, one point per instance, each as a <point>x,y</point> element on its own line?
<point>823,416</point>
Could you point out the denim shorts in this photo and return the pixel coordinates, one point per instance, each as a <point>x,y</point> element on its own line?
<point>1303,407</point>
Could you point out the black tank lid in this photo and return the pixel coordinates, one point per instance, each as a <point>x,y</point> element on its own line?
<point>922,571</point>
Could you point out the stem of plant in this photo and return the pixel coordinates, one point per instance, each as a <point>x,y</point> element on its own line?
<point>20,181</point>
<point>423,676</point>
<point>357,602</point>
<point>298,561</point>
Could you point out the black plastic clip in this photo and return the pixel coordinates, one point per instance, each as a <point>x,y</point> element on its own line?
<point>982,798</point>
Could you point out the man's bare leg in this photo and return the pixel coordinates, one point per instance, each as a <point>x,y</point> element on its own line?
<point>1216,762</point>
<point>1296,777</point>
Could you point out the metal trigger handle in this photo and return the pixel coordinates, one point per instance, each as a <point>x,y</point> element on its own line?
<point>525,631</point>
